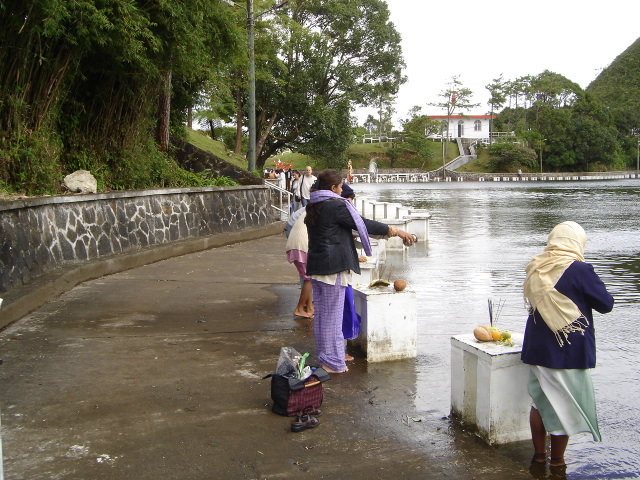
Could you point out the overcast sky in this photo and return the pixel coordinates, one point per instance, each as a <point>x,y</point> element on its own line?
<point>479,40</point>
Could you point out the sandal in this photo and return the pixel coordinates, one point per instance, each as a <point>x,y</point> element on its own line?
<point>331,370</point>
<point>557,462</point>
<point>304,422</point>
<point>314,412</point>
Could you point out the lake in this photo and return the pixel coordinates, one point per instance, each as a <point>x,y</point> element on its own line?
<point>482,235</point>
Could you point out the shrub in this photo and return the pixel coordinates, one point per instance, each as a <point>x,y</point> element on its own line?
<point>511,157</point>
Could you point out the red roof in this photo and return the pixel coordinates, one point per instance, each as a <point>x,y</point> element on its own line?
<point>461,116</point>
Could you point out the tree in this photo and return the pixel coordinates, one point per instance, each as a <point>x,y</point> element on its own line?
<point>87,84</point>
<point>326,54</point>
<point>497,99</point>
<point>385,114</point>
<point>456,98</point>
<point>371,123</point>
<point>571,129</point>
<point>416,129</point>
<point>511,157</point>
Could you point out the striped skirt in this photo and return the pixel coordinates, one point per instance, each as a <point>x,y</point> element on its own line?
<point>328,301</point>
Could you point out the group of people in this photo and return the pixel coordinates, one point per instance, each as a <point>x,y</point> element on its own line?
<point>560,288</point>
<point>325,226</point>
<point>301,188</point>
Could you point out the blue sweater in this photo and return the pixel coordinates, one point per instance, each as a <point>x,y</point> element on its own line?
<point>583,286</point>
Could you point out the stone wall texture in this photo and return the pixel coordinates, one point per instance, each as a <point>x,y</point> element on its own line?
<point>41,234</point>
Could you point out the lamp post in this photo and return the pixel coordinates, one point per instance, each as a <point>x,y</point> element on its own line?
<point>251,150</point>
<point>541,143</point>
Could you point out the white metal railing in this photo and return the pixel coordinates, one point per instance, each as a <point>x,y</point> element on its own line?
<point>502,134</point>
<point>280,199</point>
<point>379,137</point>
<point>390,177</point>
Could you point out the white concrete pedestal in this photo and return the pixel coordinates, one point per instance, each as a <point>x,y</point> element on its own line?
<point>418,224</point>
<point>395,243</point>
<point>368,273</point>
<point>378,248</point>
<point>389,323</point>
<point>489,388</point>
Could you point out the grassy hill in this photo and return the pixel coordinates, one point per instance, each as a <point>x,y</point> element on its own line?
<point>386,155</point>
<point>204,142</point>
<point>618,87</point>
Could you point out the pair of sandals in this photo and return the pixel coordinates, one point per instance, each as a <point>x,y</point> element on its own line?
<point>306,420</point>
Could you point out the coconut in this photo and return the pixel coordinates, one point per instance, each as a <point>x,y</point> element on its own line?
<point>400,285</point>
<point>482,333</point>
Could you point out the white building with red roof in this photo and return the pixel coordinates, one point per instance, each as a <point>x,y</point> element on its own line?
<point>464,126</point>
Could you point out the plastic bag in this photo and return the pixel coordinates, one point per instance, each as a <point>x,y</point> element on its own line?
<point>291,364</point>
<point>288,362</point>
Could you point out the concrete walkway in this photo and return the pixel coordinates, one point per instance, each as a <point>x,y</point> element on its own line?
<point>156,373</point>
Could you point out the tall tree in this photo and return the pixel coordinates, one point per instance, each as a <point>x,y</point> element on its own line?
<point>497,98</point>
<point>95,71</point>
<point>327,54</point>
<point>385,114</point>
<point>416,130</point>
<point>456,99</point>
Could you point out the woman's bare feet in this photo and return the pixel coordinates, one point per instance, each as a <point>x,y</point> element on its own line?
<point>348,358</point>
<point>301,313</point>
<point>331,370</point>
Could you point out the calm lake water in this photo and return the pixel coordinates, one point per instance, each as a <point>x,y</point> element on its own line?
<point>482,236</point>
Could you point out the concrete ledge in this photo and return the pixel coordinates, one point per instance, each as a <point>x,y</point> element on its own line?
<point>21,301</point>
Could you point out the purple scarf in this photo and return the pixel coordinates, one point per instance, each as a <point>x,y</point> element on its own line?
<point>322,195</point>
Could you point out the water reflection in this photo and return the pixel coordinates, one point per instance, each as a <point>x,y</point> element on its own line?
<point>482,237</point>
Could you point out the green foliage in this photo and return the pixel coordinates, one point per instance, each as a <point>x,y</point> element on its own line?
<point>618,87</point>
<point>30,162</point>
<point>456,98</point>
<point>415,132</point>
<point>511,157</point>
<point>333,134</point>
<point>219,149</point>
<point>81,82</point>
<point>322,53</point>
<point>569,129</point>
<point>207,179</point>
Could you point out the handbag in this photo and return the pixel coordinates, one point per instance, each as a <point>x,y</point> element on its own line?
<point>350,319</point>
<point>294,386</point>
<point>292,396</point>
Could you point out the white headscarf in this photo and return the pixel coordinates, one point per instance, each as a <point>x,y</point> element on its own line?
<point>565,245</point>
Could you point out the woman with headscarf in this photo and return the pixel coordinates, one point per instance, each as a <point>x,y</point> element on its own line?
<point>331,258</point>
<point>559,341</point>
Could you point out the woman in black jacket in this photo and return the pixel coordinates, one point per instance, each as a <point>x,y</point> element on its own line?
<point>331,258</point>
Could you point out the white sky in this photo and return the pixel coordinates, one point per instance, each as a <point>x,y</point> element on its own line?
<point>481,39</point>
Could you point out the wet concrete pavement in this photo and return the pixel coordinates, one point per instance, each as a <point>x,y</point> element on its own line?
<point>156,372</point>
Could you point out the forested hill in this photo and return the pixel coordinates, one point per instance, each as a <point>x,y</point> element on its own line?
<point>618,87</point>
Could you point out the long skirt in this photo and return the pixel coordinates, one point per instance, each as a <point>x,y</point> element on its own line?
<point>565,400</point>
<point>328,301</point>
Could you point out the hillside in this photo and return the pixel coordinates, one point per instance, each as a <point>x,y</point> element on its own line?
<point>618,88</point>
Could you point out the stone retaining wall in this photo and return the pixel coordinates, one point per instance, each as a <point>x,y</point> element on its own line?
<point>42,234</point>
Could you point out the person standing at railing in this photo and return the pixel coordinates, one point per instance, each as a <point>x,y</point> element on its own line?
<point>305,185</point>
<point>296,201</point>
<point>282,179</point>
